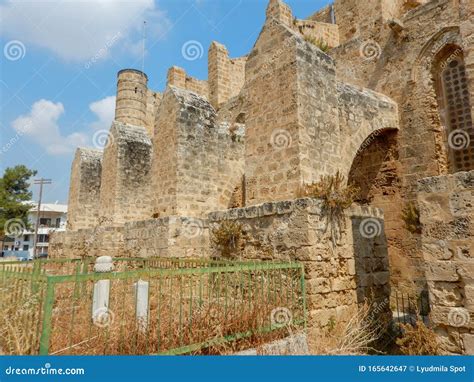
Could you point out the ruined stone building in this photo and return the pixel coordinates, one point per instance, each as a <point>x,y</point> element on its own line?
<point>380,90</point>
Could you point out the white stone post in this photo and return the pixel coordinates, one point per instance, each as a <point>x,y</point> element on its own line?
<point>141,307</point>
<point>100,301</point>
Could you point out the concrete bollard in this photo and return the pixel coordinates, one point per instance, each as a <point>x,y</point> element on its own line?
<point>101,315</point>
<point>141,307</point>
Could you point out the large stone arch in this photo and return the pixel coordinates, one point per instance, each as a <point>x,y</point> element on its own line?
<point>363,115</point>
<point>379,147</point>
<point>361,140</point>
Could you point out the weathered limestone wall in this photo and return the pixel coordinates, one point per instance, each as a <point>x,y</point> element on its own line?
<point>84,189</point>
<point>447,217</point>
<point>226,75</point>
<point>466,30</point>
<point>399,64</point>
<point>323,32</point>
<point>173,236</point>
<point>165,237</point>
<point>281,13</point>
<point>198,163</point>
<point>125,187</point>
<point>324,15</point>
<point>152,104</point>
<point>363,114</point>
<point>132,94</point>
<point>97,241</point>
<point>337,277</point>
<point>286,123</point>
<point>357,18</point>
<point>294,108</point>
<point>177,77</point>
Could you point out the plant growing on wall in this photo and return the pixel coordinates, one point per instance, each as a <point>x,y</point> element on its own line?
<point>336,197</point>
<point>411,218</point>
<point>319,42</point>
<point>227,238</point>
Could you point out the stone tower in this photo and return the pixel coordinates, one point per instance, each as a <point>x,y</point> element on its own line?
<point>131,104</point>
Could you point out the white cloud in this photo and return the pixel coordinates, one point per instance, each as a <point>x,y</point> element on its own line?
<point>104,109</point>
<point>81,30</point>
<point>41,125</point>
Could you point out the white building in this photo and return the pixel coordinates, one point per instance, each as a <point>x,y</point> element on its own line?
<point>53,217</point>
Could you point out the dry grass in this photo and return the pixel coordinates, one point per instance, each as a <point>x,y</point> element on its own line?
<point>227,238</point>
<point>175,321</point>
<point>354,335</point>
<point>19,317</point>
<point>418,339</point>
<point>336,197</point>
<point>183,310</point>
<point>319,42</point>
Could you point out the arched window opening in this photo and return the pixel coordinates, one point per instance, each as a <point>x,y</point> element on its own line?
<point>455,107</point>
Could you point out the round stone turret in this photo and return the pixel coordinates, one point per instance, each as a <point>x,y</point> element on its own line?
<point>130,106</point>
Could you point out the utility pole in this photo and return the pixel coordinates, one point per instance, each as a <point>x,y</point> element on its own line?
<point>41,182</point>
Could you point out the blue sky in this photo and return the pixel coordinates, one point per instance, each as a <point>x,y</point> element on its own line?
<point>59,62</point>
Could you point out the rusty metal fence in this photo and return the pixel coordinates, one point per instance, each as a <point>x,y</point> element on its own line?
<point>149,306</point>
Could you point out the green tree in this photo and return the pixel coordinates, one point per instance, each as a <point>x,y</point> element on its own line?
<point>14,193</point>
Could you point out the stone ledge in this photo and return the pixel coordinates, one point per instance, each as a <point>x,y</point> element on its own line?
<point>296,344</point>
<point>311,205</point>
<point>445,183</point>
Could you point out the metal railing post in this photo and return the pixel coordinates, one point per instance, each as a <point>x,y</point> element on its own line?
<point>47,317</point>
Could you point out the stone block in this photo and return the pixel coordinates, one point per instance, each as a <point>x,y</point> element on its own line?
<point>441,271</point>
<point>468,343</point>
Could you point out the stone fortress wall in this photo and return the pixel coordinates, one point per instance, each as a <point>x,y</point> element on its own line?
<point>241,144</point>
